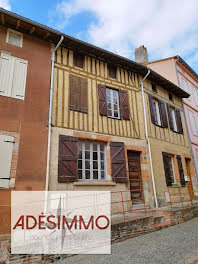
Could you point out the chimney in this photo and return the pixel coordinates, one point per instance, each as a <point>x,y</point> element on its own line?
<point>141,54</point>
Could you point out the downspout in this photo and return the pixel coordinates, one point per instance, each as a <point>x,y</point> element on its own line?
<point>187,128</point>
<point>147,137</point>
<point>50,114</point>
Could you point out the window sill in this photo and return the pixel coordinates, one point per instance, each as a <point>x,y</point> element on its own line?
<point>94,183</point>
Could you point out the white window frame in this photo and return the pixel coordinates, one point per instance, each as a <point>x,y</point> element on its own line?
<point>156,103</point>
<point>112,103</point>
<point>175,128</point>
<point>17,33</point>
<point>192,123</point>
<point>91,161</point>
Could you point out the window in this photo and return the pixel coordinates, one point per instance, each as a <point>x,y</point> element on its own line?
<point>13,73</point>
<point>78,94</point>
<point>91,161</point>
<point>174,119</point>
<point>15,38</point>
<point>169,168</point>
<point>112,103</point>
<point>156,112</point>
<point>192,123</point>
<point>195,93</point>
<point>170,96</point>
<point>154,89</point>
<point>78,60</point>
<point>185,86</point>
<point>112,72</point>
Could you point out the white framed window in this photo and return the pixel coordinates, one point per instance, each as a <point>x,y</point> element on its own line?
<point>171,168</point>
<point>156,112</point>
<point>13,73</point>
<point>192,123</point>
<point>195,93</point>
<point>174,120</point>
<point>14,38</point>
<point>113,108</point>
<point>186,87</point>
<point>91,161</point>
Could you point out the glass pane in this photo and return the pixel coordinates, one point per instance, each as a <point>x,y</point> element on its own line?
<point>87,174</point>
<point>115,114</point>
<point>79,174</point>
<point>79,145</point>
<point>95,156</point>
<point>101,147</point>
<point>94,147</point>
<point>109,113</point>
<point>87,155</point>
<point>102,165</point>
<point>115,100</point>
<point>108,92</point>
<point>115,107</point>
<point>87,164</point>
<point>102,175</point>
<point>87,146</point>
<point>95,175</point>
<point>108,99</point>
<point>79,154</point>
<point>101,155</point>
<point>115,94</point>
<point>109,105</point>
<point>95,165</point>
<point>80,164</point>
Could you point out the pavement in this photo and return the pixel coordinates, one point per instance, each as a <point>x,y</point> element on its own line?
<point>174,245</point>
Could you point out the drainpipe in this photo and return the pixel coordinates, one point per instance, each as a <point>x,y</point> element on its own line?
<point>50,114</point>
<point>187,128</point>
<point>147,137</point>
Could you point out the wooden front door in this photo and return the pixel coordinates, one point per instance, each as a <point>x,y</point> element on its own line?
<point>135,175</point>
<point>190,186</point>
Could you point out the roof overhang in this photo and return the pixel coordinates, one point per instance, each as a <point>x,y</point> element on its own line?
<point>27,26</point>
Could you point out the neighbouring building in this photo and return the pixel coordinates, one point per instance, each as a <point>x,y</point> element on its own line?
<point>25,66</point>
<point>179,72</point>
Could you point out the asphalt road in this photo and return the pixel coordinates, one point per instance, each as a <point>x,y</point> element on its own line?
<point>177,244</point>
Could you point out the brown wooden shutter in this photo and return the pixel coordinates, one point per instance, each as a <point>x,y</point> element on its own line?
<point>167,169</point>
<point>102,100</point>
<point>164,120</point>
<point>78,60</point>
<point>181,172</point>
<point>67,159</point>
<point>124,104</point>
<point>78,94</point>
<point>151,108</point>
<point>170,117</point>
<point>179,122</point>
<point>118,162</point>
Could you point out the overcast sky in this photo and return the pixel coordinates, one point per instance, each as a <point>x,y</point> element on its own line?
<point>165,27</point>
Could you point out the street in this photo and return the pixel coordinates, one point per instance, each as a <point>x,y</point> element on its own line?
<point>177,244</point>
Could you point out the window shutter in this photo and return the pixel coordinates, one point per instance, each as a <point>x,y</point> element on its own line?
<point>6,74</point>
<point>179,122</point>
<point>19,79</point>
<point>170,117</point>
<point>151,108</point>
<point>102,100</point>
<point>67,159</point>
<point>118,162</point>
<point>167,169</point>
<point>124,104</point>
<point>164,120</point>
<point>195,96</point>
<point>181,172</point>
<point>78,94</point>
<point>78,60</point>
<point>6,146</point>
